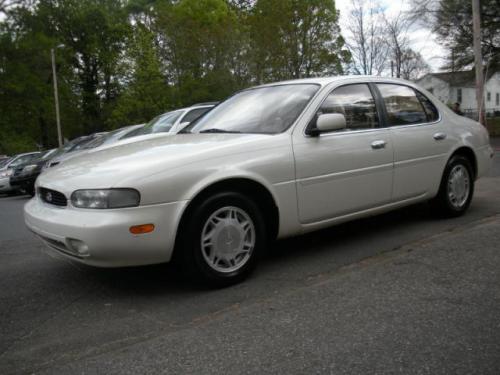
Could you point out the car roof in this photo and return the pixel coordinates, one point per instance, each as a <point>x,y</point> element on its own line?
<point>206,104</point>
<point>327,80</point>
<point>27,153</point>
<point>200,105</point>
<point>185,109</point>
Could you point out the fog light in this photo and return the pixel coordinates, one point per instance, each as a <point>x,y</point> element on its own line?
<point>142,229</point>
<point>79,247</point>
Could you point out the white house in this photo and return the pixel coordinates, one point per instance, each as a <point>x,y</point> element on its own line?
<point>461,87</point>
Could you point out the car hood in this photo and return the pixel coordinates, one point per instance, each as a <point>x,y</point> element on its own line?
<point>125,163</point>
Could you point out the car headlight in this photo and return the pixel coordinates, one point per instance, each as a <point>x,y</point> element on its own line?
<point>105,198</point>
<point>6,173</point>
<point>30,168</point>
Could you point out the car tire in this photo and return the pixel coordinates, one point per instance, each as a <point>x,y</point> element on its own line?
<point>31,192</point>
<point>222,239</point>
<point>456,188</point>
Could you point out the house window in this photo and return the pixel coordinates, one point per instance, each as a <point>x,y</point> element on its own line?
<point>488,96</point>
<point>459,95</point>
<point>498,99</point>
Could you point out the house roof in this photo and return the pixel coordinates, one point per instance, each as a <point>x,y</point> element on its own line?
<point>465,78</point>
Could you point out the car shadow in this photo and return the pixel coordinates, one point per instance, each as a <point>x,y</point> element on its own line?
<point>168,279</point>
<point>13,197</point>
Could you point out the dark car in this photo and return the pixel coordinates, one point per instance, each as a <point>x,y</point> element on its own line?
<point>3,160</point>
<point>77,144</point>
<point>24,176</point>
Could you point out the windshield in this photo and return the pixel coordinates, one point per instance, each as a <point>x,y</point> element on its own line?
<point>48,154</point>
<point>264,110</point>
<point>99,141</point>
<point>3,162</point>
<point>22,159</point>
<point>68,147</point>
<point>82,145</point>
<point>113,136</point>
<point>160,124</point>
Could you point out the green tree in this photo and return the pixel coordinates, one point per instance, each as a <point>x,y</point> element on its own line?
<point>94,33</point>
<point>126,61</point>
<point>147,92</point>
<point>296,38</point>
<point>452,21</point>
<point>26,93</point>
<point>199,44</point>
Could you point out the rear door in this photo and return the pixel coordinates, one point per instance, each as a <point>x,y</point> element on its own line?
<point>421,142</point>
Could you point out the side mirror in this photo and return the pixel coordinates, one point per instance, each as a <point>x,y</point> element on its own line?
<point>327,122</point>
<point>330,122</point>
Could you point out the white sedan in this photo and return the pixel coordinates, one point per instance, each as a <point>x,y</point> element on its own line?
<point>272,161</point>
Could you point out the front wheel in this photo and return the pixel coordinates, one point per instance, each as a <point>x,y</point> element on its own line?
<point>456,189</point>
<point>223,238</point>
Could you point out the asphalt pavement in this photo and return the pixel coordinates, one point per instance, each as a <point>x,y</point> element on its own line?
<point>402,292</point>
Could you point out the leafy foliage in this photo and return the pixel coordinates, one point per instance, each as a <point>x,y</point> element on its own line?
<point>452,21</point>
<point>124,62</point>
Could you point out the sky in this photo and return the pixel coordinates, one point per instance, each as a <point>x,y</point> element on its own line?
<point>421,38</point>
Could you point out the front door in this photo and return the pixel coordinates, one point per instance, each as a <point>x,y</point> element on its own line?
<point>349,170</point>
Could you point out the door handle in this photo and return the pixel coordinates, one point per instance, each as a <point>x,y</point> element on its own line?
<point>377,145</point>
<point>439,136</point>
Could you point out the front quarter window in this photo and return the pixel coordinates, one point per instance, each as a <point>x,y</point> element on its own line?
<point>262,110</point>
<point>356,103</point>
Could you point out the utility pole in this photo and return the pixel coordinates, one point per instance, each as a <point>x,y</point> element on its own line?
<point>478,59</point>
<point>56,97</point>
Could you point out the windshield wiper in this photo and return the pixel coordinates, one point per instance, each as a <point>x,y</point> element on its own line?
<point>216,130</point>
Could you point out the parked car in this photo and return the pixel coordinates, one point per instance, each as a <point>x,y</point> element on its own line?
<point>174,121</point>
<point>72,147</point>
<point>270,162</point>
<point>97,141</point>
<point>24,175</point>
<point>3,160</point>
<point>8,168</point>
<point>112,137</point>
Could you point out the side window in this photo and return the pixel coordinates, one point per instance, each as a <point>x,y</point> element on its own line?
<point>402,105</point>
<point>194,114</point>
<point>430,110</point>
<point>356,103</point>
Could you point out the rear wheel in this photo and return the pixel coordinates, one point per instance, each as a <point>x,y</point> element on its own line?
<point>222,239</point>
<point>456,189</point>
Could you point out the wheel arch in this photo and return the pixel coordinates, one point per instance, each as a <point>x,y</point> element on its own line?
<point>253,188</point>
<point>468,153</point>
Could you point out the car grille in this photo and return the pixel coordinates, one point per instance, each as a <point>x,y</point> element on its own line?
<point>52,197</point>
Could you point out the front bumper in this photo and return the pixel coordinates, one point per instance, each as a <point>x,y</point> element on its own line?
<point>105,233</point>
